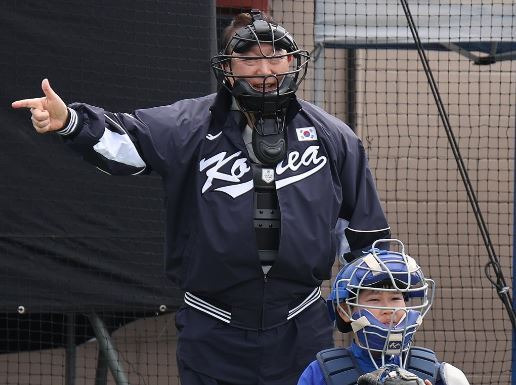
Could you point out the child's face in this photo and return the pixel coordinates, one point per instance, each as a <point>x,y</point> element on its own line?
<point>375,299</point>
<point>383,299</point>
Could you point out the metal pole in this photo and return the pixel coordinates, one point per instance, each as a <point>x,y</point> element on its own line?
<point>319,81</point>
<point>513,366</point>
<point>70,350</point>
<point>102,370</point>
<point>213,40</point>
<point>351,89</point>
<point>108,349</point>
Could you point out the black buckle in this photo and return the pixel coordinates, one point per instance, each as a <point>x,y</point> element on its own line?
<point>256,14</point>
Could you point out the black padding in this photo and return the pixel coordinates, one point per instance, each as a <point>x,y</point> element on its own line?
<point>338,366</point>
<point>423,363</point>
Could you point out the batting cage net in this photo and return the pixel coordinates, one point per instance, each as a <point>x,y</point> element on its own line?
<point>429,87</point>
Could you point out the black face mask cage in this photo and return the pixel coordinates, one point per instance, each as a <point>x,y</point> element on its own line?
<point>287,82</point>
<point>271,104</point>
<point>264,101</point>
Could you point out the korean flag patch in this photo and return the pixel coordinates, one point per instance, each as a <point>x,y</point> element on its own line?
<point>306,133</point>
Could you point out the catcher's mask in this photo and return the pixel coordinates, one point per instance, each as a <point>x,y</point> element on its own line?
<point>387,272</point>
<point>266,104</point>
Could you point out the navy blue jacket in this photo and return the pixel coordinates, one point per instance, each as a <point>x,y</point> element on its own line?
<point>196,146</point>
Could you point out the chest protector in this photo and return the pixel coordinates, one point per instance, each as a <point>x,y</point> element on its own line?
<point>339,366</point>
<point>267,218</point>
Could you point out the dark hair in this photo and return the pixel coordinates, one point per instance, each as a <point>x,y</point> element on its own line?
<point>342,326</point>
<point>239,21</point>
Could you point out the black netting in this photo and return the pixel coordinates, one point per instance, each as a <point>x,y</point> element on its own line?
<point>78,246</point>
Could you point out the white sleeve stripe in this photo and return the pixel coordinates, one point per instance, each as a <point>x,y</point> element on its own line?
<point>312,297</point>
<point>120,148</point>
<point>72,124</point>
<point>368,231</point>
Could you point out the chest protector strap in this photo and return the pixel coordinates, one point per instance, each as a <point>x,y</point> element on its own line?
<point>267,218</point>
<point>339,366</point>
<point>423,363</point>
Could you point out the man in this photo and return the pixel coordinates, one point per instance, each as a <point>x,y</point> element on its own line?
<point>255,183</point>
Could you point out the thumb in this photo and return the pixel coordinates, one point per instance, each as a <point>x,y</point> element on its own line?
<point>47,90</point>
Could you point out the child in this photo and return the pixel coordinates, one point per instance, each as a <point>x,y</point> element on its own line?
<point>382,297</point>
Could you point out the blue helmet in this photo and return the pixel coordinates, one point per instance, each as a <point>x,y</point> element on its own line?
<point>357,295</point>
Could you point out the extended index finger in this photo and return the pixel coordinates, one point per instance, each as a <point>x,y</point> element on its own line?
<point>28,103</point>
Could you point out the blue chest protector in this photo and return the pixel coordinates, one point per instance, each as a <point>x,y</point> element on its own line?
<point>339,366</point>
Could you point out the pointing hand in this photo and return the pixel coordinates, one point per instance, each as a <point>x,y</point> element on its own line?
<point>49,113</point>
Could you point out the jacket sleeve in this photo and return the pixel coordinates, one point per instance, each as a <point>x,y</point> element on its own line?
<point>361,218</point>
<point>107,140</point>
<point>130,144</point>
<point>361,209</point>
<point>450,375</point>
<point>312,375</point>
